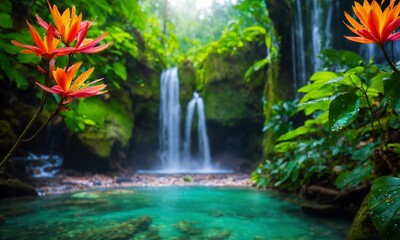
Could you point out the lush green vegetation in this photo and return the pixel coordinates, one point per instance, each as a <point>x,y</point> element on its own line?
<point>342,132</point>
<point>349,136</point>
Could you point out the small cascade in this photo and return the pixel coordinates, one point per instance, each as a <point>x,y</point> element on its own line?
<point>298,48</point>
<point>311,33</point>
<point>204,148</point>
<point>39,166</point>
<point>170,111</point>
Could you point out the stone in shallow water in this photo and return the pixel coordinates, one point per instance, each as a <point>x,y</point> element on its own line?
<point>218,234</point>
<point>118,192</point>
<point>131,229</point>
<point>77,202</point>
<point>86,195</point>
<point>187,228</point>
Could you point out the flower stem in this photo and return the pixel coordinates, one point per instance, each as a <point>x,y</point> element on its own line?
<point>47,121</point>
<point>388,60</point>
<point>384,143</point>
<point>27,128</point>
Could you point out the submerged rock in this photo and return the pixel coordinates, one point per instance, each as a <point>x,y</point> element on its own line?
<point>151,234</point>
<point>2,220</point>
<point>86,195</point>
<point>218,234</point>
<point>78,202</point>
<point>187,228</point>
<point>126,230</point>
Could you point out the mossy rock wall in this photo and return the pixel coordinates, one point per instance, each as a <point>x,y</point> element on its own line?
<point>233,106</point>
<point>145,94</point>
<point>99,148</point>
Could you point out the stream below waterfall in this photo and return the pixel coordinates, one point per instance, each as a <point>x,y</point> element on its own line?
<point>164,213</point>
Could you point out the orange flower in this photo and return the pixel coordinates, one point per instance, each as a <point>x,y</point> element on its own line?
<point>69,89</point>
<point>89,45</point>
<point>71,27</point>
<point>376,25</point>
<point>68,24</point>
<point>47,48</point>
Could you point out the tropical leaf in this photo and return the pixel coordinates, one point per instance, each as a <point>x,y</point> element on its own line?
<point>384,204</point>
<point>343,110</point>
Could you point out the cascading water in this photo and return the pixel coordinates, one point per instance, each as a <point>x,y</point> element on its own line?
<point>368,51</point>
<point>311,33</point>
<point>204,148</point>
<point>170,111</point>
<point>169,136</point>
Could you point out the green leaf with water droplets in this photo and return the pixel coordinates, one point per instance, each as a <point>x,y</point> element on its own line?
<point>384,204</point>
<point>343,110</point>
<point>392,90</point>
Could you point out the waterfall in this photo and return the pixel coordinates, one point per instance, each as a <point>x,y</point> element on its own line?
<point>298,49</point>
<point>169,135</point>
<point>204,148</point>
<point>310,33</point>
<point>170,110</point>
<point>368,51</point>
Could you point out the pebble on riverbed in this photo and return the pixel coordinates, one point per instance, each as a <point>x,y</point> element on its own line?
<point>63,183</point>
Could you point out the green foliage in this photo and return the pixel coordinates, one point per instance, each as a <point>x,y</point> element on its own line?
<point>281,120</point>
<point>338,105</point>
<point>343,110</point>
<point>385,206</point>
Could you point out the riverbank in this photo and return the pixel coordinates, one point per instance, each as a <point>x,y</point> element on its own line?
<point>65,183</point>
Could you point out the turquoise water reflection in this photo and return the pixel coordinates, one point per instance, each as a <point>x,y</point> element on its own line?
<point>164,213</point>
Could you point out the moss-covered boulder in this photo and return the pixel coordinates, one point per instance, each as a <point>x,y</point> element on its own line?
<point>187,81</point>
<point>362,226</point>
<point>108,125</point>
<point>145,94</point>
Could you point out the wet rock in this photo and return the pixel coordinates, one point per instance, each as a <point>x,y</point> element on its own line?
<point>78,202</point>
<point>119,192</point>
<point>151,234</point>
<point>100,146</point>
<point>86,195</point>
<point>219,234</point>
<point>187,228</point>
<point>15,188</point>
<point>362,226</point>
<point>187,179</point>
<point>123,180</point>
<point>126,230</point>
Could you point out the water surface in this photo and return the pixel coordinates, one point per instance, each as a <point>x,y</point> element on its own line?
<point>164,213</point>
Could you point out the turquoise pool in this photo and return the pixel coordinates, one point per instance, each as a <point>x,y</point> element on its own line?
<point>164,213</point>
